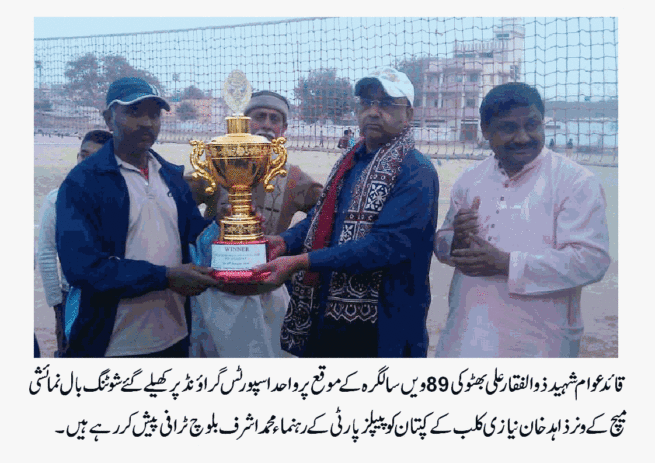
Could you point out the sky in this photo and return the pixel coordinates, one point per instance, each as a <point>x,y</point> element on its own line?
<point>54,27</point>
<point>563,57</point>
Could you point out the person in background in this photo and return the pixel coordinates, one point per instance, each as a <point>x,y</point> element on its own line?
<point>55,286</point>
<point>344,141</point>
<point>297,192</point>
<point>246,324</point>
<point>526,230</point>
<point>569,148</point>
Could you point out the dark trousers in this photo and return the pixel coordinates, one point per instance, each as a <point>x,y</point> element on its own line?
<point>59,326</point>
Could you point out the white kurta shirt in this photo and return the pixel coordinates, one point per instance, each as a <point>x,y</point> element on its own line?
<point>227,325</point>
<point>550,217</point>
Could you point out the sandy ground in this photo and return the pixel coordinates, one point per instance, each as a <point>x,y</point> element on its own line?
<point>53,157</point>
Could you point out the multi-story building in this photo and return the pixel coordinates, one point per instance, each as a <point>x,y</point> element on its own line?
<point>209,119</point>
<point>453,88</point>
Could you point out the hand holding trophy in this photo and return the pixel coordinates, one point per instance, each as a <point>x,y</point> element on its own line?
<point>238,161</point>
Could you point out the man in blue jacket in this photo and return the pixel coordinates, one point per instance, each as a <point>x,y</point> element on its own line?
<point>360,260</point>
<point>125,218</point>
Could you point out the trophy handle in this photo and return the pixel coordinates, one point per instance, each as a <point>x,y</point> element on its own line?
<point>201,167</point>
<point>276,166</point>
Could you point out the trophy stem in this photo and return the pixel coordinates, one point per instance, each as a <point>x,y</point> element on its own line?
<point>242,225</point>
<point>241,201</point>
<point>238,124</point>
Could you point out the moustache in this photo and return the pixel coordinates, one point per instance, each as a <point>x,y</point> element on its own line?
<point>369,123</point>
<point>266,133</point>
<point>146,133</point>
<point>528,146</point>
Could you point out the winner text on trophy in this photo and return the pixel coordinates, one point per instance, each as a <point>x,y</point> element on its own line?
<point>238,161</point>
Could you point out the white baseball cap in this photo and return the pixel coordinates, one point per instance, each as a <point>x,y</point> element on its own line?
<point>395,83</point>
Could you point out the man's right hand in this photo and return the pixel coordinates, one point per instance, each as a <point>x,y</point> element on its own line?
<point>190,279</point>
<point>281,269</point>
<point>465,224</point>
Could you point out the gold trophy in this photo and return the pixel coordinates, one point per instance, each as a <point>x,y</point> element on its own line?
<point>238,161</point>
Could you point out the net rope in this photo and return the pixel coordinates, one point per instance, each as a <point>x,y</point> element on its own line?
<point>315,62</point>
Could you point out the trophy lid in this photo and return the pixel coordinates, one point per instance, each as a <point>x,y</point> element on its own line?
<point>236,94</point>
<point>239,138</point>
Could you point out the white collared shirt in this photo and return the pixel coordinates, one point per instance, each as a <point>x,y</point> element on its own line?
<point>550,217</point>
<point>154,321</point>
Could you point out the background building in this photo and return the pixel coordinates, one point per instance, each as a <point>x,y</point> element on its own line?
<point>453,87</point>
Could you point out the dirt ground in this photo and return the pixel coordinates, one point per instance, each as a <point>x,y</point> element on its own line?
<point>54,157</point>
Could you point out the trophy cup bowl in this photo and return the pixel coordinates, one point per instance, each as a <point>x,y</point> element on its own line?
<point>239,161</point>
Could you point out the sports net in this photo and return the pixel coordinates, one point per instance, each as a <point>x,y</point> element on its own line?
<point>315,62</point>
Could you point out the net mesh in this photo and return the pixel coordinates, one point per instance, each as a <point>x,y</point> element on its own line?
<point>315,62</point>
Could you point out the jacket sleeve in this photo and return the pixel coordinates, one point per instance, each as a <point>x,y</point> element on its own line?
<point>46,255</point>
<point>295,236</point>
<point>89,259</point>
<point>580,255</point>
<point>410,210</point>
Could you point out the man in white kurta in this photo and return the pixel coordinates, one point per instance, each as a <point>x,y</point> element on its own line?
<point>525,231</point>
<point>230,325</point>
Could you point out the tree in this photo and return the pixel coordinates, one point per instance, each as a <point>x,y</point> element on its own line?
<point>415,68</point>
<point>186,111</point>
<point>39,65</point>
<point>42,105</point>
<point>323,95</point>
<point>176,79</point>
<point>192,93</point>
<point>89,77</point>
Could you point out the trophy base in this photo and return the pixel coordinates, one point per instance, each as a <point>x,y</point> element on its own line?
<point>233,261</point>
<point>239,276</point>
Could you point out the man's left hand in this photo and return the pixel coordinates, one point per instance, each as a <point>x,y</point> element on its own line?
<point>483,260</point>
<point>280,270</point>
<point>276,247</point>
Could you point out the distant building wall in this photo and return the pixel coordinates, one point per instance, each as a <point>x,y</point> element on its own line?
<point>453,88</point>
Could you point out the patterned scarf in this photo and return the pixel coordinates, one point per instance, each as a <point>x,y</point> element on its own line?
<point>351,296</point>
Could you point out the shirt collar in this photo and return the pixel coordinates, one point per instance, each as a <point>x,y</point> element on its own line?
<point>153,164</point>
<point>361,153</point>
<point>526,168</point>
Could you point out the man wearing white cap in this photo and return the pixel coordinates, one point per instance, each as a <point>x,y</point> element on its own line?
<point>125,219</point>
<point>360,260</point>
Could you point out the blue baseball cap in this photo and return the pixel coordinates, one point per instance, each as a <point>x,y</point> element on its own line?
<point>128,90</point>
